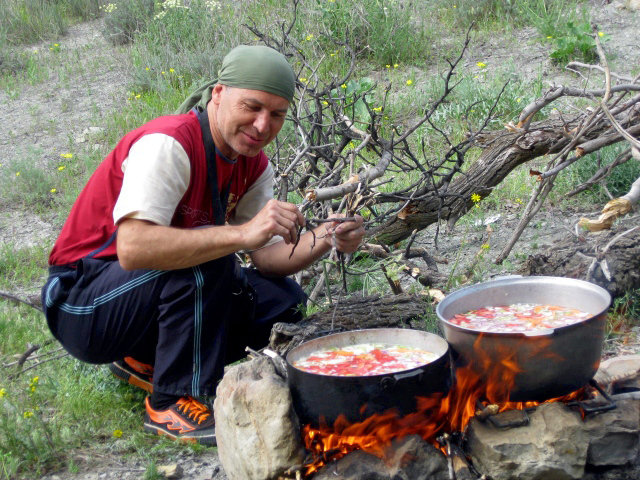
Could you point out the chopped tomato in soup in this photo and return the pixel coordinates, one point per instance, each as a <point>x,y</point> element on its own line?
<point>519,317</point>
<point>364,359</point>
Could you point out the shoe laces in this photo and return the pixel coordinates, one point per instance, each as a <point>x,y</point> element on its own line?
<point>194,409</point>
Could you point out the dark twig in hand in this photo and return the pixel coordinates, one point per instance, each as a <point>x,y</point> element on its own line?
<point>297,241</point>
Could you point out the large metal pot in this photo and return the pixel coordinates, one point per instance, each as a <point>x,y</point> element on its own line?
<point>317,397</point>
<point>553,362</point>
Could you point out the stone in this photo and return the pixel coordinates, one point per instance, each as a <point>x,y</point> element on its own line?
<point>407,458</point>
<point>632,4</point>
<point>552,447</point>
<point>412,458</point>
<point>171,472</point>
<point>614,435</point>
<point>357,465</point>
<point>616,372</point>
<point>257,430</point>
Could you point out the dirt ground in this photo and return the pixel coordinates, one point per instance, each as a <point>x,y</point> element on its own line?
<point>45,119</point>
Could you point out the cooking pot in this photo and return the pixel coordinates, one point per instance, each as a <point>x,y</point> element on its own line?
<point>321,399</point>
<point>553,362</point>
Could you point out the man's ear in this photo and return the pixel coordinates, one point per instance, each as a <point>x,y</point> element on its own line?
<point>216,93</point>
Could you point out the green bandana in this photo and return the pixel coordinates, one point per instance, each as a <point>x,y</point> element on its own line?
<point>252,67</point>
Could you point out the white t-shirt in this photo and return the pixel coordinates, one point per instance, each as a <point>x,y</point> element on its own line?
<point>156,176</point>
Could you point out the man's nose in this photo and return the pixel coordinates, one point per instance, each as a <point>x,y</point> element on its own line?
<point>261,122</point>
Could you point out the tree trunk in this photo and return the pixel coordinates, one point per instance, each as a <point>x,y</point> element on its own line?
<point>350,314</point>
<point>503,152</point>
<point>616,268</point>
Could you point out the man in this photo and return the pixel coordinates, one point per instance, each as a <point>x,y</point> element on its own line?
<point>143,273</point>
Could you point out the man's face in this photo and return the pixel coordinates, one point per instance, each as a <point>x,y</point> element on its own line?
<point>244,121</point>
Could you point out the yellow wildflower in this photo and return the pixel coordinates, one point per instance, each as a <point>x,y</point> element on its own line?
<point>53,190</point>
<point>303,80</point>
<point>601,34</point>
<point>549,37</point>
<point>455,6</point>
<point>485,246</point>
<point>56,44</point>
<point>387,66</point>
<point>3,392</point>
<point>61,168</point>
<point>481,65</point>
<point>309,37</point>
<point>343,86</point>
<point>27,414</point>
<point>66,155</point>
<point>17,174</point>
<point>163,72</point>
<point>395,65</point>
<point>137,96</point>
<point>377,109</point>
<point>409,82</point>
<point>147,69</point>
<point>324,102</point>
<point>117,433</point>
<point>171,70</point>
<point>35,379</point>
<point>475,198</point>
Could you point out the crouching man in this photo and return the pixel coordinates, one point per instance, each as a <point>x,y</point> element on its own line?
<point>143,275</point>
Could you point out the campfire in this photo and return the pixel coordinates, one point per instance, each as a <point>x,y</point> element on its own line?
<point>514,406</point>
<point>259,436</point>
<point>474,394</point>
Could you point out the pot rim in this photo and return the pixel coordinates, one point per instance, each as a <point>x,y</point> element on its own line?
<point>363,331</point>
<point>452,297</point>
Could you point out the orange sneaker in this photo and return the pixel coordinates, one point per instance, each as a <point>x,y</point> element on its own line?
<point>134,372</point>
<point>187,420</point>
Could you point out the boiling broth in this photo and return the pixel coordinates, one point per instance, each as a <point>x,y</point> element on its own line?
<point>519,317</point>
<point>364,359</point>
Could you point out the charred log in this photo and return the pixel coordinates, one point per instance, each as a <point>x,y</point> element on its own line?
<point>610,258</point>
<point>349,314</point>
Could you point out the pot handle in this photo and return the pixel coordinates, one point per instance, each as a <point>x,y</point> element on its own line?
<point>388,382</point>
<point>401,376</point>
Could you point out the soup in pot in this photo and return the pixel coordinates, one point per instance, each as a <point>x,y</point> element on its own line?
<point>364,359</point>
<point>519,317</point>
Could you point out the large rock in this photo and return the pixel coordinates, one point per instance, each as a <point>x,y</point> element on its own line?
<point>552,447</point>
<point>257,429</point>
<point>407,458</point>
<point>614,438</point>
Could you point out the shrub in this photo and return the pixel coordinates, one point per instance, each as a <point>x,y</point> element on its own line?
<point>386,31</point>
<point>29,21</point>
<point>123,20</point>
<point>574,40</point>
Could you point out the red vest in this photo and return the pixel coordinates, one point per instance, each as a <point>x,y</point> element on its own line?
<point>89,229</point>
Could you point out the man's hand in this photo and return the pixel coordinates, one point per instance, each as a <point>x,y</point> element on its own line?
<point>275,218</point>
<point>345,236</point>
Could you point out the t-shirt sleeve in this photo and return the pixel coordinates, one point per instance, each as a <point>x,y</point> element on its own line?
<point>156,177</point>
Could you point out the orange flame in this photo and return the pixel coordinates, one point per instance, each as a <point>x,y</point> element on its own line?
<point>486,382</point>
